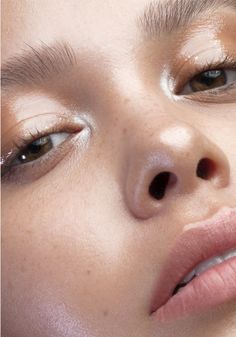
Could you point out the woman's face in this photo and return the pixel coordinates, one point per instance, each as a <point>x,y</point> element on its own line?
<point>118,146</point>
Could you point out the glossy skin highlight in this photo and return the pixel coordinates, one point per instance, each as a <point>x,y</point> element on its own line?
<point>83,241</point>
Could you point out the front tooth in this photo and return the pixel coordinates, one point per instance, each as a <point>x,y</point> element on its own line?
<point>189,277</point>
<point>203,266</point>
<point>229,254</point>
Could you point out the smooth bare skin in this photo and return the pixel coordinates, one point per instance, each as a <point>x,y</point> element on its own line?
<point>83,242</point>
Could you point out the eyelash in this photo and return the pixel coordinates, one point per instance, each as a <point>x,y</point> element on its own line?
<point>21,143</point>
<point>20,172</point>
<point>228,62</point>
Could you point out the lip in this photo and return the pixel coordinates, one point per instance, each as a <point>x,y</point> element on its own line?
<point>198,242</point>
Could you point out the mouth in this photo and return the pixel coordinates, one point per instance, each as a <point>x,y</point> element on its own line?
<point>200,271</point>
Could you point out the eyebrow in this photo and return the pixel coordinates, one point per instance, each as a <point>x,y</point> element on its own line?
<point>35,65</point>
<point>159,17</point>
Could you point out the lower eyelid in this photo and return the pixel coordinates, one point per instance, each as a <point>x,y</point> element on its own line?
<point>56,141</point>
<point>223,95</point>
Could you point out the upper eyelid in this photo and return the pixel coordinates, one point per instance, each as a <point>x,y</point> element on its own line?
<point>30,133</point>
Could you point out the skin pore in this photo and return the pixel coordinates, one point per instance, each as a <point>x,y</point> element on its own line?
<point>113,83</point>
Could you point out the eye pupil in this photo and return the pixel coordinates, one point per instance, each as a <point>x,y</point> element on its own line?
<point>36,146</point>
<point>209,77</point>
<point>208,80</point>
<point>36,149</point>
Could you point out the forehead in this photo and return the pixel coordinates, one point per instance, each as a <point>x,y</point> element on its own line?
<point>99,28</point>
<point>86,20</point>
<point>82,23</point>
<point>101,24</point>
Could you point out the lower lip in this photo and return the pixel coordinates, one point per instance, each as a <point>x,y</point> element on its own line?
<point>212,288</point>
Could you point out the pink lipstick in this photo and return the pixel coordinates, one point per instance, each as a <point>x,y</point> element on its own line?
<point>200,271</point>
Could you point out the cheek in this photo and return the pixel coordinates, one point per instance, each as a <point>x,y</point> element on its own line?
<point>226,139</point>
<point>69,252</point>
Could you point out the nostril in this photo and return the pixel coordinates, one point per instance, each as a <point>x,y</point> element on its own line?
<point>160,184</point>
<point>205,169</point>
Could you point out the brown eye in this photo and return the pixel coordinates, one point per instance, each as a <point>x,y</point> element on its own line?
<point>35,150</point>
<point>208,80</point>
<point>39,147</point>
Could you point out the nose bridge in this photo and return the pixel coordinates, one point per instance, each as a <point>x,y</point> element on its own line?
<point>172,159</point>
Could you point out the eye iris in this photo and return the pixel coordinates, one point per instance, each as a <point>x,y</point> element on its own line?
<point>208,80</point>
<point>36,149</point>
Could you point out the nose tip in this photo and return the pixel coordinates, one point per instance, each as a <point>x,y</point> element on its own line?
<point>175,162</point>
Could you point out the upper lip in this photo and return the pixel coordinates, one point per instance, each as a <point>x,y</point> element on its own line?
<point>199,241</point>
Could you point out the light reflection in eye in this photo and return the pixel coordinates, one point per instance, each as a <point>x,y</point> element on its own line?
<point>40,147</point>
<point>210,80</point>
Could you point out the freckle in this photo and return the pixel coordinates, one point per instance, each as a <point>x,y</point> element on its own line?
<point>124,131</point>
<point>88,272</point>
<point>105,312</point>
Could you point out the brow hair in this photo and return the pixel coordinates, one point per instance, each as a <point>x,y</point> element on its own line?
<point>165,17</point>
<point>33,65</point>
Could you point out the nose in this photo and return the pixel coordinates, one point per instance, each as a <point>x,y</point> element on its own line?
<point>170,163</point>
